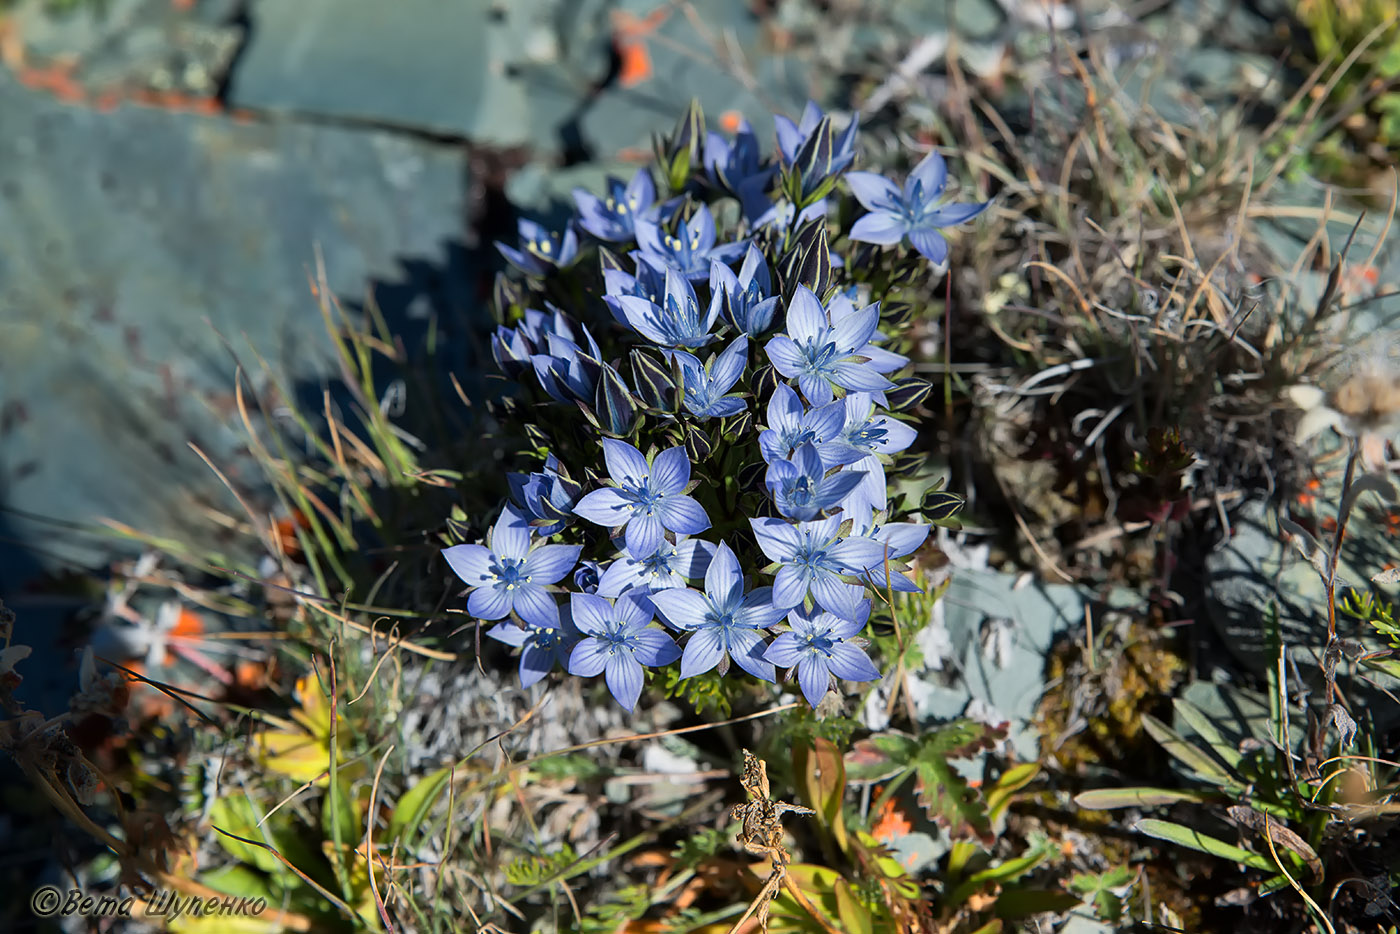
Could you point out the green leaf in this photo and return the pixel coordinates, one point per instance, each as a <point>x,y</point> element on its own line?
<point>880,757</point>
<point>341,809</point>
<point>241,880</point>
<point>855,917</point>
<point>1011,781</point>
<point>1016,904</point>
<point>1195,840</point>
<point>821,774</point>
<point>951,802</point>
<point>1188,754</point>
<point>414,805</point>
<point>236,815</point>
<point>1103,799</point>
<point>1199,722</point>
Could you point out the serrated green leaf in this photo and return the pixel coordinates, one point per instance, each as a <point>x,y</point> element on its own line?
<point>950,802</point>
<point>879,757</point>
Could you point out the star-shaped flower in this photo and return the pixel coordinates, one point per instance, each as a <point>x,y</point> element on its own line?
<point>613,217</point>
<point>647,499</point>
<point>912,212</point>
<point>821,355</point>
<point>821,645</point>
<point>723,622</point>
<point>507,574</point>
<point>618,641</point>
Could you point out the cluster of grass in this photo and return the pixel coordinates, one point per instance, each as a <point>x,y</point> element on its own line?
<point>1120,323</point>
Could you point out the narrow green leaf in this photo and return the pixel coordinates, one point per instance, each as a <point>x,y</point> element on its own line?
<point>414,805</point>
<point>1103,799</point>
<point>1188,754</point>
<point>1202,843</point>
<point>1199,722</point>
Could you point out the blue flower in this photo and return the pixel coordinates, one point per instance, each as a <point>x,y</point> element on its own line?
<point>540,250</point>
<point>690,249</point>
<point>541,647</point>
<point>821,355</point>
<point>586,576</point>
<point>566,371</point>
<point>648,282</point>
<point>746,298</point>
<point>648,499</point>
<point>897,540</point>
<point>674,322</point>
<point>820,645</point>
<point>736,167</point>
<point>723,622</point>
<point>618,641</point>
<point>872,435</point>
<point>707,383</point>
<point>842,306</point>
<point>790,426</point>
<point>613,217</point>
<point>671,565</point>
<point>813,557</point>
<point>802,490</point>
<point>546,498</point>
<point>513,347</point>
<point>508,575</point>
<point>793,136</point>
<point>813,150</point>
<point>913,212</point>
<point>782,214</point>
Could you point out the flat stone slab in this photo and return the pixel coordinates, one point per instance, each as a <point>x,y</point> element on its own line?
<point>493,72</point>
<point>129,242</point>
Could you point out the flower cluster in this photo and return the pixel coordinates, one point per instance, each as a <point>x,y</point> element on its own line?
<point>724,496</point>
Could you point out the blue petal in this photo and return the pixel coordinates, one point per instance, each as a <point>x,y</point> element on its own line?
<point>789,587</point>
<point>785,356</point>
<point>510,536</point>
<point>654,647</point>
<point>510,634</point>
<point>806,318</point>
<point>746,648</point>
<point>930,244</point>
<point>779,540</point>
<point>623,675</point>
<point>837,598</point>
<point>783,651</point>
<point>591,614</point>
<point>859,378</point>
<point>848,662</point>
<point>643,535</point>
<point>535,605</point>
<point>606,507</point>
<point>879,228</point>
<point>814,678</point>
<point>683,515</point>
<point>702,652</point>
<point>931,174</point>
<point>535,663</point>
<point>670,471</point>
<point>855,329</point>
<point>949,214</point>
<point>548,563</point>
<point>723,574</point>
<point>729,366</point>
<point>589,658</point>
<point>489,603</point>
<point>625,463</point>
<point>874,192</point>
<point>682,609</point>
<point>472,563</point>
